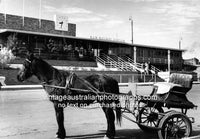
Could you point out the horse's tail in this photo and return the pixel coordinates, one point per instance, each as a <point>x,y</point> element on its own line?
<point>118,112</point>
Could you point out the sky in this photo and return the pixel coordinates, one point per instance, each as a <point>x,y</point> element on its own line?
<point>162,23</point>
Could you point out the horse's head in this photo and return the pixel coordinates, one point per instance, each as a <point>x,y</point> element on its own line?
<point>35,66</point>
<point>27,68</point>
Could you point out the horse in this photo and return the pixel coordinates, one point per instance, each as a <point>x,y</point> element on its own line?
<point>51,76</point>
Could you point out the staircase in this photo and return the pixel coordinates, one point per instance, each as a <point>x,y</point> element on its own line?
<point>106,61</point>
<point>125,63</point>
<point>137,66</point>
<point>114,62</point>
<point>154,70</point>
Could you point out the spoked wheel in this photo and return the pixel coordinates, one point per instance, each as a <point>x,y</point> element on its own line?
<point>149,117</point>
<point>174,125</point>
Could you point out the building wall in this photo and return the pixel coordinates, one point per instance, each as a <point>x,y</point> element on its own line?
<point>159,57</point>
<point>32,24</point>
<point>192,61</point>
<point>156,56</point>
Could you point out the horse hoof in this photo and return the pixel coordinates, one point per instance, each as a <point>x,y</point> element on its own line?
<point>105,137</point>
<point>58,137</point>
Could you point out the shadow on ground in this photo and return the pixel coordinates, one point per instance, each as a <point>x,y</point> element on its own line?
<point>125,134</point>
<point>121,134</point>
<point>87,136</point>
<point>196,133</point>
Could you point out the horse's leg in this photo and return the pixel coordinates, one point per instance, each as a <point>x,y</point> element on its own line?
<point>60,120</point>
<point>110,116</point>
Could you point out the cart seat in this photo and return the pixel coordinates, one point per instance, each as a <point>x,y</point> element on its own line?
<point>164,87</point>
<point>185,80</point>
<point>173,93</point>
<point>180,83</point>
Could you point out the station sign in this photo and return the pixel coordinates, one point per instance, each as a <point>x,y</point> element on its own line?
<point>107,39</point>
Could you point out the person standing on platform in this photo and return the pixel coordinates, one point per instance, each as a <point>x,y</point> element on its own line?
<point>146,68</point>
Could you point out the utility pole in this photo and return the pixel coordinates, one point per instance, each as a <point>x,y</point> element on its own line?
<point>23,9</point>
<point>180,42</point>
<point>40,13</point>
<point>130,19</point>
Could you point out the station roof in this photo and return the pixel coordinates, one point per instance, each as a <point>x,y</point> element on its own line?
<point>87,39</point>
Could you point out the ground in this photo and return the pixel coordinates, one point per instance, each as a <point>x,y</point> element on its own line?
<point>28,114</point>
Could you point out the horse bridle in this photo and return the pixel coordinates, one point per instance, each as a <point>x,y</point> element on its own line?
<point>29,62</point>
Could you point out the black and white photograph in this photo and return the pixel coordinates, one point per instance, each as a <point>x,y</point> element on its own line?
<point>99,69</point>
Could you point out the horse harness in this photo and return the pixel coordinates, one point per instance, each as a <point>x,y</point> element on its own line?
<point>69,83</point>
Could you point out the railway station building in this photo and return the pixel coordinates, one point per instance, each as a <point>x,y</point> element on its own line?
<point>48,40</point>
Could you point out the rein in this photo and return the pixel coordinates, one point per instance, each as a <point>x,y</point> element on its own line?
<point>91,89</point>
<point>82,90</point>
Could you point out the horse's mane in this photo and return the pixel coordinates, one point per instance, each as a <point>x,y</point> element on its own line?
<point>45,64</point>
<point>47,68</point>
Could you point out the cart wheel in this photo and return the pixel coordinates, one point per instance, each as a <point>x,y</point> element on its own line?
<point>174,125</point>
<point>148,118</point>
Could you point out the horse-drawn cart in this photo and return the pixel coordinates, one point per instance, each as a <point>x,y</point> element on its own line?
<point>153,113</point>
<point>158,114</point>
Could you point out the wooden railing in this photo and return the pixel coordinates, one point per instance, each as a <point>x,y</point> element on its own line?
<point>114,62</point>
<point>127,64</point>
<point>122,63</point>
